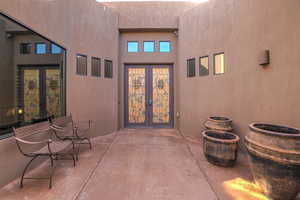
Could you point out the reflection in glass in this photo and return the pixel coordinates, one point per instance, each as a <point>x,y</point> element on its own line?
<point>25,48</point>
<point>219,67</point>
<point>55,49</point>
<point>40,48</point>
<point>32,86</point>
<point>203,67</point>
<point>191,67</point>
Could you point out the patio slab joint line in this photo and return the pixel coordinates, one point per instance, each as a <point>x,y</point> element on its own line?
<point>199,166</point>
<point>76,196</point>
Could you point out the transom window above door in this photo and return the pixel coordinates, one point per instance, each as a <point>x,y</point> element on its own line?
<point>132,47</point>
<point>149,46</point>
<point>164,46</point>
<point>40,48</point>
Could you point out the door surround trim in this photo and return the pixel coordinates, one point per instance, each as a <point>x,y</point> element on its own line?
<point>125,99</point>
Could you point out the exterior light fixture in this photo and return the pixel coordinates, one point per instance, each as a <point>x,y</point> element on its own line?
<point>264,58</point>
<point>20,111</point>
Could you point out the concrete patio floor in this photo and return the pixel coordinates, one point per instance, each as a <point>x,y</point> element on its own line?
<point>139,164</point>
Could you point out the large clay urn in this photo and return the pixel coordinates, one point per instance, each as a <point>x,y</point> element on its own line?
<point>219,124</point>
<point>220,148</point>
<point>274,153</point>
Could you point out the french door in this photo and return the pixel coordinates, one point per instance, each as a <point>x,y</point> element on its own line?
<point>40,92</point>
<point>149,96</point>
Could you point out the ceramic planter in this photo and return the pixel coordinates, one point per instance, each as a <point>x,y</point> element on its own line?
<point>219,123</point>
<point>220,148</point>
<point>274,154</point>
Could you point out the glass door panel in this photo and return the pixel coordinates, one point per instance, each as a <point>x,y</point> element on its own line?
<point>53,92</point>
<point>160,96</point>
<point>136,95</point>
<point>31,88</point>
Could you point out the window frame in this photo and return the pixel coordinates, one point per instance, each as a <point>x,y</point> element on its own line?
<point>170,49</point>
<point>77,62</point>
<point>187,67</point>
<point>35,48</point>
<point>138,47</point>
<point>214,63</point>
<point>201,57</point>
<point>51,48</point>
<point>112,69</point>
<point>25,43</point>
<point>153,46</point>
<point>98,59</point>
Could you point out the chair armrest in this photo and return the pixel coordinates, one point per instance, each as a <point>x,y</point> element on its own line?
<point>57,128</point>
<point>33,143</point>
<point>78,123</point>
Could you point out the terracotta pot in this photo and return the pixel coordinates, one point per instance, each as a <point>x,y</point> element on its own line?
<point>219,123</point>
<point>220,148</point>
<point>274,154</point>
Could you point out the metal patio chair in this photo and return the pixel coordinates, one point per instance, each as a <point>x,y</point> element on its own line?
<point>53,149</point>
<point>66,129</point>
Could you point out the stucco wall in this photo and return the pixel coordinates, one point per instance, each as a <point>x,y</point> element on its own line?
<point>149,15</point>
<point>246,92</point>
<point>84,27</point>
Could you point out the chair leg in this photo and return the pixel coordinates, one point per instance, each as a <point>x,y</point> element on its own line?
<point>74,160</point>
<point>51,159</point>
<point>89,141</point>
<point>74,154</point>
<point>50,182</point>
<point>24,171</point>
<point>77,153</point>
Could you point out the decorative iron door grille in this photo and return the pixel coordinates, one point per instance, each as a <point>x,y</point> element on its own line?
<point>39,92</point>
<point>148,96</point>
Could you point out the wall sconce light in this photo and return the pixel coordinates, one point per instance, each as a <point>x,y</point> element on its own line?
<point>20,111</point>
<point>264,58</point>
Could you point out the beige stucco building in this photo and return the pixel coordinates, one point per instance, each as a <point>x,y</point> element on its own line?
<point>241,29</point>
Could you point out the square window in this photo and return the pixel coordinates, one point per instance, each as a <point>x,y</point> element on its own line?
<point>165,46</point>
<point>55,49</point>
<point>219,64</point>
<point>108,69</point>
<point>191,67</point>
<point>40,48</point>
<point>25,48</point>
<point>203,66</point>
<point>96,66</point>
<point>81,64</point>
<point>132,47</point>
<point>149,46</point>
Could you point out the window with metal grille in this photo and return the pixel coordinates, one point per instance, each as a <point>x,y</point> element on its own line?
<point>108,69</point>
<point>96,66</point>
<point>203,66</point>
<point>81,66</point>
<point>25,48</point>
<point>219,63</point>
<point>191,68</point>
